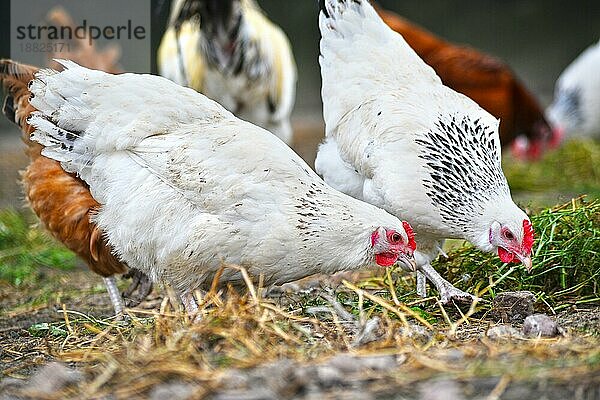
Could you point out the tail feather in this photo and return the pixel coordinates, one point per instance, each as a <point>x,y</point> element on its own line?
<point>62,118</point>
<point>84,113</point>
<point>60,144</point>
<point>50,135</point>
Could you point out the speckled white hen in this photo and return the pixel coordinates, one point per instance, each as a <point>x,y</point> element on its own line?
<point>397,138</point>
<point>186,187</point>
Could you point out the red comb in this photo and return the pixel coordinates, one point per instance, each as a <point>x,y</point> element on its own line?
<point>411,235</point>
<point>527,236</point>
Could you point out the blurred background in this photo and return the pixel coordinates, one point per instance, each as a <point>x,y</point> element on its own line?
<point>537,38</point>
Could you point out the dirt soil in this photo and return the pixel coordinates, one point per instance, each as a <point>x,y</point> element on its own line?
<point>29,353</point>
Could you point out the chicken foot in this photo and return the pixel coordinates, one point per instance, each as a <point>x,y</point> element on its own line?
<point>140,283</point>
<point>446,290</point>
<point>189,304</point>
<point>365,330</point>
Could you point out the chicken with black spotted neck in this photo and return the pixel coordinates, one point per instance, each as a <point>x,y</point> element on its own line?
<point>396,137</point>
<point>185,187</point>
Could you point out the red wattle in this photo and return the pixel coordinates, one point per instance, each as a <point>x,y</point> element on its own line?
<point>386,259</point>
<point>505,255</point>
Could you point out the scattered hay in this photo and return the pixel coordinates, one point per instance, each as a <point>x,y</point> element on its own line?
<point>248,336</point>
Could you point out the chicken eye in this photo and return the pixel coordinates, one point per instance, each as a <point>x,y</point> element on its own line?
<point>396,237</point>
<point>509,235</point>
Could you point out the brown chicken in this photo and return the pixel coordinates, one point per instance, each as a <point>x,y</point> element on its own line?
<point>485,79</point>
<point>62,201</point>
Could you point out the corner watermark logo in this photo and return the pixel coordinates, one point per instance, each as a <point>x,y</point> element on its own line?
<point>104,34</point>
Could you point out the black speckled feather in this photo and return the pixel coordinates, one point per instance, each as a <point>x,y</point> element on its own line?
<point>461,156</point>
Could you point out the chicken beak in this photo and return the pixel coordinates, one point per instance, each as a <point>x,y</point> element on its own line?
<point>407,261</point>
<point>526,260</point>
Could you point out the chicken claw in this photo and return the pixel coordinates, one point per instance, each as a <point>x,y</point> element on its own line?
<point>140,283</point>
<point>446,290</point>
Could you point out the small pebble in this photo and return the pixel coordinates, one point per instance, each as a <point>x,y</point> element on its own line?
<point>503,331</point>
<point>441,390</point>
<point>371,331</point>
<point>513,306</point>
<point>540,325</point>
<point>52,377</point>
<point>172,391</point>
<point>329,376</point>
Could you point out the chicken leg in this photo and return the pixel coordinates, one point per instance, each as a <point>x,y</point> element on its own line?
<point>115,296</point>
<point>421,284</point>
<point>446,290</point>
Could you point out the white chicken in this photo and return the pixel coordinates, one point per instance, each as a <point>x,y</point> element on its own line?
<point>396,137</point>
<point>231,52</point>
<point>576,106</point>
<point>185,187</point>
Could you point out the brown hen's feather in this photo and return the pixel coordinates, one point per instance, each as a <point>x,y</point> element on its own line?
<point>80,49</point>
<point>61,201</point>
<point>483,78</point>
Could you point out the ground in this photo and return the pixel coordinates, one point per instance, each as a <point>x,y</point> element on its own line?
<point>68,319</point>
<point>357,336</point>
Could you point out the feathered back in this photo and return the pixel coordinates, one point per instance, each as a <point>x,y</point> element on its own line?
<point>372,78</point>
<point>487,80</point>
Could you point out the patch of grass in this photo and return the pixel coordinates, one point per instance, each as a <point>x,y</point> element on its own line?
<point>566,259</point>
<point>24,248</point>
<point>573,168</point>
